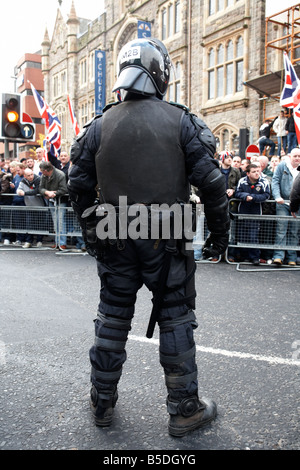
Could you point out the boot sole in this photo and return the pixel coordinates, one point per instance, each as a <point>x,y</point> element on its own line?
<point>103,423</point>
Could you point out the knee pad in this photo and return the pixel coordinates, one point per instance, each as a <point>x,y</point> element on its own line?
<point>169,325</point>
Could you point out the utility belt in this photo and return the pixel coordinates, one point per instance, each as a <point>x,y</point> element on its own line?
<point>144,222</point>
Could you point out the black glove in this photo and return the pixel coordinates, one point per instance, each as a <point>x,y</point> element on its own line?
<point>215,245</point>
<point>89,236</point>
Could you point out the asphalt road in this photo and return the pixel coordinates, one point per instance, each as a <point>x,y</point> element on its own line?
<point>248,355</point>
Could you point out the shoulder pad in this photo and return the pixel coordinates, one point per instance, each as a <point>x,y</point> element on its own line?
<point>92,120</point>
<point>205,135</point>
<point>110,105</point>
<point>181,106</point>
<point>86,126</point>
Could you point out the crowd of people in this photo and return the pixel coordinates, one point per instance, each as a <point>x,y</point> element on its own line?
<point>262,185</point>
<point>39,182</point>
<point>251,185</point>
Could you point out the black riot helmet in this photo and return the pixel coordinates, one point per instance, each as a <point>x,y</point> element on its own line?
<point>143,67</point>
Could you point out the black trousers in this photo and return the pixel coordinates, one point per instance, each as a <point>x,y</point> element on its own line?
<point>122,274</point>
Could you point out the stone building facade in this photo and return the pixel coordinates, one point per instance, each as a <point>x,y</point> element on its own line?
<point>215,46</point>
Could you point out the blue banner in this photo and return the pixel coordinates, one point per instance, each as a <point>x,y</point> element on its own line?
<point>144,29</point>
<point>100,75</point>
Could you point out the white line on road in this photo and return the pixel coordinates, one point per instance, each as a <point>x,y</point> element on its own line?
<point>224,352</point>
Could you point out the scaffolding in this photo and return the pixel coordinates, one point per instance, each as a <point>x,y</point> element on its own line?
<point>289,22</point>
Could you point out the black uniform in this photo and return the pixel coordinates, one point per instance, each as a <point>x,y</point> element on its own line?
<point>150,151</point>
<point>295,194</point>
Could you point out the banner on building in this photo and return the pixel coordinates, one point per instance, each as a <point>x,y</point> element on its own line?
<point>100,75</point>
<point>144,29</point>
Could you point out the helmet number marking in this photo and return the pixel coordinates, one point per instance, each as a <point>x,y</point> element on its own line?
<point>130,53</point>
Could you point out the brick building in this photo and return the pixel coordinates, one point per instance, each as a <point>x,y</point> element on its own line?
<point>215,46</point>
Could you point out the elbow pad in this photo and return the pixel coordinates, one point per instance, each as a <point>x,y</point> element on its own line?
<point>215,200</point>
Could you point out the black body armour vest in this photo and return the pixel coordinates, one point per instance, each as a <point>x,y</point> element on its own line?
<point>140,155</point>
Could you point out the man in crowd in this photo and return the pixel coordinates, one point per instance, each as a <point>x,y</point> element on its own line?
<point>53,187</point>
<point>286,231</point>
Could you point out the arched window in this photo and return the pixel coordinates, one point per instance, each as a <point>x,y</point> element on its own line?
<point>226,137</point>
<point>220,71</point>
<point>229,50</point>
<point>220,55</point>
<point>240,47</point>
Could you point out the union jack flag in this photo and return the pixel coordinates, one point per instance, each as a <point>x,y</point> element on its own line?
<point>290,96</point>
<point>53,125</point>
<point>73,117</point>
<point>290,85</point>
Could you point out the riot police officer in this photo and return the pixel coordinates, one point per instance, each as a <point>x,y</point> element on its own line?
<point>150,151</point>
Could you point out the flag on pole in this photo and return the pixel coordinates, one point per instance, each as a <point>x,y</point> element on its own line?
<point>290,96</point>
<point>296,103</point>
<point>290,85</point>
<point>53,125</point>
<point>73,117</point>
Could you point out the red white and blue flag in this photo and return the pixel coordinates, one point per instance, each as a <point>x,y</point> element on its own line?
<point>290,96</point>
<point>73,118</point>
<point>290,85</point>
<point>53,125</point>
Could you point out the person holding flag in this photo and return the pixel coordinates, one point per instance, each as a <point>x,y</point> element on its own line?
<point>291,133</point>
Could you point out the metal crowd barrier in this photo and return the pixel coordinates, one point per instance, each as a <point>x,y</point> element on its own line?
<point>241,235</point>
<point>59,219</point>
<point>49,221</point>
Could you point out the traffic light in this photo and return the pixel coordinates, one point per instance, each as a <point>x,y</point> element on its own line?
<point>15,125</point>
<point>11,115</point>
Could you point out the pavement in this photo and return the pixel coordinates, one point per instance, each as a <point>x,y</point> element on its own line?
<point>248,356</point>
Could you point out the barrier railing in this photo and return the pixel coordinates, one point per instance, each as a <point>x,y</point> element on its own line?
<point>59,220</point>
<point>56,220</point>
<point>249,231</point>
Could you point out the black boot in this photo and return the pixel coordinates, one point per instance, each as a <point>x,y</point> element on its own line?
<point>192,413</point>
<point>103,408</point>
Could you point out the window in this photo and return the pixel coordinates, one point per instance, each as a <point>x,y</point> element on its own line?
<point>82,72</point>
<point>92,108</point>
<point>174,84</point>
<point>55,86</point>
<point>164,24</point>
<point>63,80</point>
<point>219,5</point>
<point>92,66</point>
<point>83,114</point>
<point>60,84</point>
<point>220,71</point>
<point>227,137</point>
<point>229,79</point>
<point>211,7</point>
<point>170,19</point>
<point>177,17</point>
<point>226,68</point>
<point>211,74</point>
